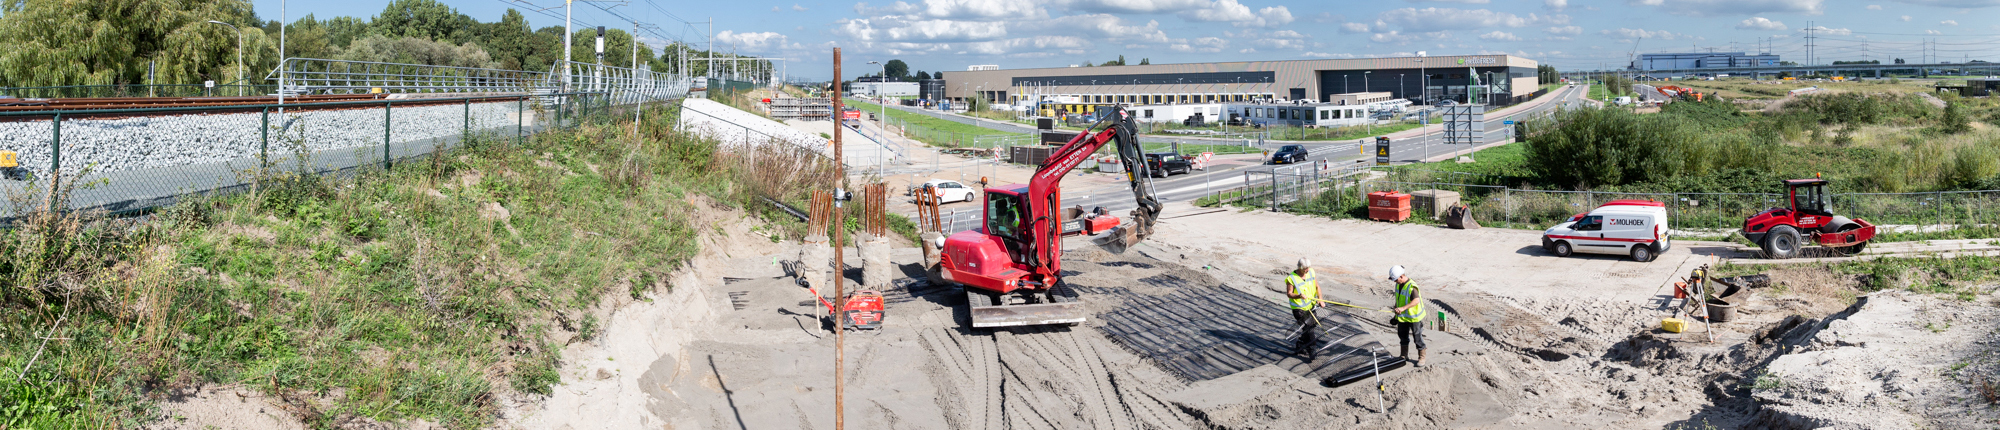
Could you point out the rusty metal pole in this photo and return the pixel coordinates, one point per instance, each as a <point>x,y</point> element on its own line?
<point>839,281</point>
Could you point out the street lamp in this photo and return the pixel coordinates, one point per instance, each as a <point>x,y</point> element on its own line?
<point>1399,85</point>
<point>882,101</point>
<point>239,52</point>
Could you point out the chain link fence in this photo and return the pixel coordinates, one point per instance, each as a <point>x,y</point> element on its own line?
<point>129,160</point>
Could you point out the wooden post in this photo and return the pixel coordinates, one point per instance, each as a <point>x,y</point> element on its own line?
<point>839,278</point>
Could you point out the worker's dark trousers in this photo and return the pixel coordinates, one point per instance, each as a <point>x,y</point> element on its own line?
<point>1311,327</point>
<point>1407,330</point>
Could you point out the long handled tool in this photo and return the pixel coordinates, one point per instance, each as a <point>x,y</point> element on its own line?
<point>1348,305</point>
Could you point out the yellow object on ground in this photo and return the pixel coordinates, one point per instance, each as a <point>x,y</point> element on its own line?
<point>1675,325</point>
<point>9,159</point>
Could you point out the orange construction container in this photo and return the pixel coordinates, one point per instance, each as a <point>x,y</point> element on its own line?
<point>1388,206</point>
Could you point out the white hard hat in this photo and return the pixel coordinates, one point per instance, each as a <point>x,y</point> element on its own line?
<point>1304,263</point>
<point>1395,272</point>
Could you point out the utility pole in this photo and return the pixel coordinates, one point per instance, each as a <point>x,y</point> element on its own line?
<point>839,280</point>
<point>568,6</point>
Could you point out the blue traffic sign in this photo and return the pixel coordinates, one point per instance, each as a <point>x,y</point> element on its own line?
<point>1509,122</point>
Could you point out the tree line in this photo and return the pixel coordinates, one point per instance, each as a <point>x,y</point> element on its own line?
<point>115,42</point>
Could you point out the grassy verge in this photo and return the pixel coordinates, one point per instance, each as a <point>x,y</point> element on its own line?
<point>428,291</point>
<point>931,130</point>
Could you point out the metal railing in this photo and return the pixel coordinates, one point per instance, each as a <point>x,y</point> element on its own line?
<point>130,160</point>
<point>138,90</point>
<point>624,85</point>
<point>323,76</point>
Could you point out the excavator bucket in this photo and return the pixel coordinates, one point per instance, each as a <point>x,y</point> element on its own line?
<point>1125,235</point>
<point>1059,306</point>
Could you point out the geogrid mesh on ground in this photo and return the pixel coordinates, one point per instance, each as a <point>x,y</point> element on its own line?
<point>1203,332</point>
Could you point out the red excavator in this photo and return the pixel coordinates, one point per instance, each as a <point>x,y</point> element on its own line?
<point>1011,266</point>
<point>1779,231</point>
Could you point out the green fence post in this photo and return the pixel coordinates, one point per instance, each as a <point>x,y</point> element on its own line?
<point>264,144</point>
<point>385,134</point>
<point>55,156</point>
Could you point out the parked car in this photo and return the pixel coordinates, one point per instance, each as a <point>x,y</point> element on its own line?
<point>947,191</point>
<point>1636,228</point>
<point>1165,164</point>
<point>1289,154</point>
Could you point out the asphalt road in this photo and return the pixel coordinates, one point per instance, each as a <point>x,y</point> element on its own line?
<point>1119,200</point>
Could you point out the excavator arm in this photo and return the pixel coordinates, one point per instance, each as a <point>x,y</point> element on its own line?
<point>1044,190</point>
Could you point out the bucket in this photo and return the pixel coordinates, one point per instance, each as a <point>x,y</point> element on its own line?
<point>1720,310</point>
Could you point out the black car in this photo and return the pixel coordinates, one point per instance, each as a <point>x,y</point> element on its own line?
<point>1289,154</point>
<point>1167,163</point>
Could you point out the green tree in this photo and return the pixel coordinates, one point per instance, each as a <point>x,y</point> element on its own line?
<point>896,69</point>
<point>510,41</point>
<point>425,19</point>
<point>308,38</point>
<point>47,43</point>
<point>923,75</point>
<point>342,31</point>
<point>1145,61</point>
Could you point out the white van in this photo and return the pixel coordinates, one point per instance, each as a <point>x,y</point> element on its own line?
<point>1637,228</point>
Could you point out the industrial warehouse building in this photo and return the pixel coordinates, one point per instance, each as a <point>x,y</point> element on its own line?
<point>1509,78</point>
<point>1702,60</point>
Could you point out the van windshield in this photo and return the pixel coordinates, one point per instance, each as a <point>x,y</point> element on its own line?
<point>1589,223</point>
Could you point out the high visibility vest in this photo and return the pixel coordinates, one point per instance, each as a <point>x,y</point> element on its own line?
<point>1306,287</point>
<point>1405,292</point>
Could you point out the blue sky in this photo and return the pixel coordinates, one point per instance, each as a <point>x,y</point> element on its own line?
<point>1572,35</point>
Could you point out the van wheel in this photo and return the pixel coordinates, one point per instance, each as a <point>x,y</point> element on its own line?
<point>1781,243</point>
<point>1642,253</point>
<point>1562,249</point>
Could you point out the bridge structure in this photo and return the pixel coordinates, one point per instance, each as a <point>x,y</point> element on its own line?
<point>1877,70</point>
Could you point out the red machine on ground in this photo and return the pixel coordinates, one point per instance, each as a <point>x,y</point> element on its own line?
<point>1780,230</point>
<point>1011,266</point>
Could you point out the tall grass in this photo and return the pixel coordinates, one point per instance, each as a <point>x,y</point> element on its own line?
<point>389,295</point>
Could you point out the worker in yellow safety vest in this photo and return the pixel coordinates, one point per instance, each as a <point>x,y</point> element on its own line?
<point>1302,287</point>
<point>1409,312</point>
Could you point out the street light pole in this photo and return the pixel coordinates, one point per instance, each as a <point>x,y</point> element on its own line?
<point>880,100</point>
<point>239,52</point>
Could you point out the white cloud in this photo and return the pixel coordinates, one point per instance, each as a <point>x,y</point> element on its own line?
<point>1239,15</point>
<point>1933,32</point>
<point>1953,3</point>
<point>1325,55</point>
<point>796,7</point>
<point>1556,5</point>
<point>1452,1</point>
<point>1906,18</point>
<point>1564,30</point>
<point>959,9</point>
<point>1039,43</point>
<point>1399,37</point>
<point>1631,33</point>
<point>1441,19</point>
<point>1760,23</point>
<point>1874,7</point>
<point>1353,28</point>
<point>1948,22</point>
<point>1201,45</point>
<point>754,42</point>
<point>1500,36</point>
<point>1246,51</point>
<point>774,9</point>
<point>1328,17</point>
<point>1103,26</point>
<point>1833,31</point>
<point>1139,6</point>
<point>1737,7</point>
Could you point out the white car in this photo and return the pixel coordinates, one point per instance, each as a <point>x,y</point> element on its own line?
<point>948,191</point>
<point>1637,228</point>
